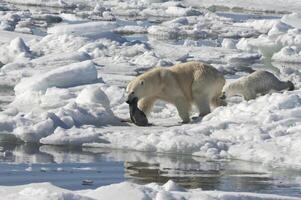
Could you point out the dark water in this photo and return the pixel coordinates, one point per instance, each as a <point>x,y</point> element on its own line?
<point>68,167</point>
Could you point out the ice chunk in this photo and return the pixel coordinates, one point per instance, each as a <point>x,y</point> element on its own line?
<point>164,32</point>
<point>262,44</point>
<point>93,95</point>
<point>126,191</point>
<point>229,43</point>
<point>67,76</point>
<point>289,54</point>
<point>8,36</point>
<point>131,30</point>
<point>293,19</point>
<point>73,136</point>
<point>61,58</point>
<point>33,133</point>
<point>278,29</point>
<point>16,51</point>
<point>93,30</point>
<point>180,11</point>
<point>263,26</point>
<point>291,38</point>
<point>172,186</point>
<point>51,3</point>
<point>274,6</point>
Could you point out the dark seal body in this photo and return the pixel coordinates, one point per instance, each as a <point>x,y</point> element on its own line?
<point>137,116</point>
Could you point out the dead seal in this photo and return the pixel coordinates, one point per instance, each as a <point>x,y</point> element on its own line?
<point>137,116</point>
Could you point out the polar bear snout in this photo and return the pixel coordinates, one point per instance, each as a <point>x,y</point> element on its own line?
<point>131,98</point>
<point>223,96</point>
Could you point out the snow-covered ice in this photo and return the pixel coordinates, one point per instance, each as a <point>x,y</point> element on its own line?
<point>67,76</point>
<point>69,85</point>
<point>126,190</point>
<point>267,5</point>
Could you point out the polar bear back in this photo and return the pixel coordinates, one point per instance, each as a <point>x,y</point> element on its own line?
<point>263,81</point>
<point>259,82</point>
<point>194,72</point>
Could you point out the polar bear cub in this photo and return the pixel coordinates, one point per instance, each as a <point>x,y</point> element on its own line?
<point>259,82</point>
<point>183,85</point>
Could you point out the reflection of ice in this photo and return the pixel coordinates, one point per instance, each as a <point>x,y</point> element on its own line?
<point>27,153</point>
<point>192,172</point>
<point>139,167</point>
<point>65,155</point>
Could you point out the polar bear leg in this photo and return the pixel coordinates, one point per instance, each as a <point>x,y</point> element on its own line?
<point>202,104</point>
<point>146,105</point>
<point>200,98</point>
<point>183,108</point>
<point>216,102</point>
<point>249,95</point>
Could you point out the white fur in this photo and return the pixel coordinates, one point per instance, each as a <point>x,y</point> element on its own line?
<point>182,85</point>
<point>258,82</point>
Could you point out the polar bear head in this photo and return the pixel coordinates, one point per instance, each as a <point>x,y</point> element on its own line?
<point>135,90</point>
<point>145,85</point>
<point>234,88</point>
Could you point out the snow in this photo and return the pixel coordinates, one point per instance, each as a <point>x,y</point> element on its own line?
<point>52,3</point>
<point>178,11</point>
<point>204,25</point>
<point>69,84</point>
<point>292,20</point>
<point>228,43</point>
<point>16,50</point>
<point>66,76</point>
<point>273,121</point>
<point>126,190</point>
<point>71,136</point>
<point>289,54</point>
<point>131,29</point>
<point>277,41</point>
<point>90,29</point>
<point>269,5</point>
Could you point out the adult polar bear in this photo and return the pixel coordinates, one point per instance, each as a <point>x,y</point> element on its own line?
<point>183,85</point>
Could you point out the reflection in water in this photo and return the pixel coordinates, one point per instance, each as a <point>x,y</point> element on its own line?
<point>68,166</point>
<point>189,178</point>
<point>221,178</point>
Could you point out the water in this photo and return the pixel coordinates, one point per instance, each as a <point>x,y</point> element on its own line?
<point>67,167</point>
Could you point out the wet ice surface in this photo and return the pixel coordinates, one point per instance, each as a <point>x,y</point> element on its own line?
<point>62,83</point>
<point>68,167</point>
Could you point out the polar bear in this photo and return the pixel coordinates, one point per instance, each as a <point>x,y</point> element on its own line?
<point>183,85</point>
<point>258,82</point>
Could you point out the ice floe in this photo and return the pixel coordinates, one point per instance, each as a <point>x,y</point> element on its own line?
<point>268,5</point>
<point>127,190</point>
<point>277,38</point>
<point>69,81</point>
<point>66,76</point>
